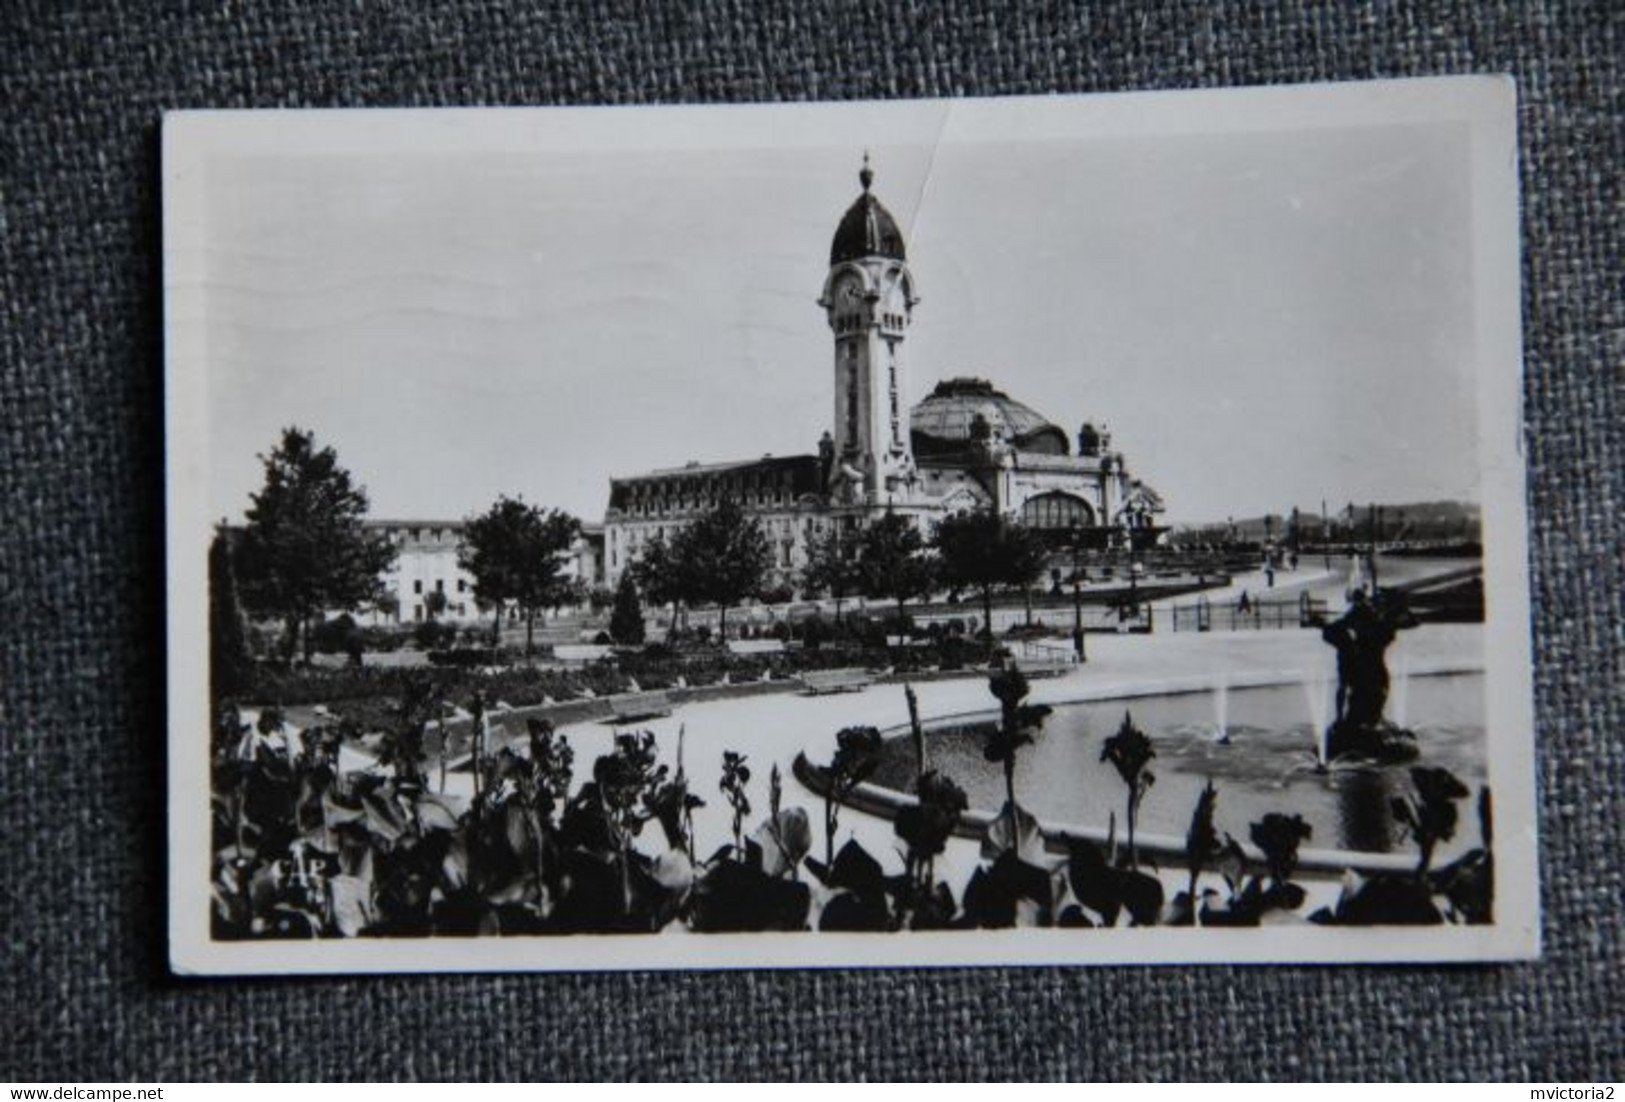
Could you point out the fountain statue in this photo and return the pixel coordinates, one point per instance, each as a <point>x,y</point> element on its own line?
<point>1362,636</point>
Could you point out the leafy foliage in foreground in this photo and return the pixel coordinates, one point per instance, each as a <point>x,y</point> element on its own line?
<point>332,833</point>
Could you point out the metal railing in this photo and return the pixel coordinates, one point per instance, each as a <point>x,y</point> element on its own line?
<point>1204,615</point>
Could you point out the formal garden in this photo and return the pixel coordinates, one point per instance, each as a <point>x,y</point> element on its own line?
<point>493,789</point>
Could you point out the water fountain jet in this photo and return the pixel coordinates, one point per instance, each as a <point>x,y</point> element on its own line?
<point>1402,689</point>
<point>1316,691</point>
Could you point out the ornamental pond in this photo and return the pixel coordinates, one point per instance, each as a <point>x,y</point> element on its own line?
<point>1257,744</point>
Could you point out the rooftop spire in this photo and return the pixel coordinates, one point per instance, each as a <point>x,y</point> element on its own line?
<point>866,175</point>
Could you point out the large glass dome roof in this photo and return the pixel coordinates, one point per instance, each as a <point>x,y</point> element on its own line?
<point>943,423</point>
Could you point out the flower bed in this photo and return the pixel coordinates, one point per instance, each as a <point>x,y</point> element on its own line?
<point>304,848</point>
<point>652,668</point>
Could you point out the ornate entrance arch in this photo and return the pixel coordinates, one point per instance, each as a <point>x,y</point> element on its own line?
<point>1055,511</point>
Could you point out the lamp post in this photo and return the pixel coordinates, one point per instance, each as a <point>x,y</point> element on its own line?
<point>1077,595</point>
<point>1374,519</point>
<point>1325,536</point>
<point>1132,607</point>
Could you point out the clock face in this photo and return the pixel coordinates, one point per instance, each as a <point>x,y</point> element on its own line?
<point>848,302</point>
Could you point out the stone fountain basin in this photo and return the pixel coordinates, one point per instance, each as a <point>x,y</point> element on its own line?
<point>1268,765</point>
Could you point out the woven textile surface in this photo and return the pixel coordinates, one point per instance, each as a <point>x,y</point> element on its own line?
<point>85,994</point>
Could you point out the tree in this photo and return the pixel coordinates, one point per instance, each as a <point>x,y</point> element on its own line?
<point>721,558</point>
<point>600,597</point>
<point>657,574</point>
<point>981,550</point>
<point>832,567</point>
<point>1027,556</point>
<point>434,603</point>
<point>626,620</point>
<point>388,605</point>
<point>893,562</point>
<point>515,552</point>
<point>304,550</point>
<point>230,662</point>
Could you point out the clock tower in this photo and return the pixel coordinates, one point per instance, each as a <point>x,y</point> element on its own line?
<point>869,302</point>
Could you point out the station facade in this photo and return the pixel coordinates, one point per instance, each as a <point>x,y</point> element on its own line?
<point>967,445</point>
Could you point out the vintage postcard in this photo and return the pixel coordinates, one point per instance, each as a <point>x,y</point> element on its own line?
<point>1037,530</point>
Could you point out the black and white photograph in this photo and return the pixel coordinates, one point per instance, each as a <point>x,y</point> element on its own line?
<point>1073,529</point>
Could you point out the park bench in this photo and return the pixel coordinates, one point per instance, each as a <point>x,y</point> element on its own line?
<point>820,682</point>
<point>634,706</point>
<point>755,646</point>
<point>1044,667</point>
<point>1040,659</point>
<point>581,654</point>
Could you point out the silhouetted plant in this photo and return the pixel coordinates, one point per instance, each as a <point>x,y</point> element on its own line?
<point>1017,723</point>
<point>545,786</point>
<point>925,828</point>
<point>735,776</point>
<point>234,752</point>
<point>1130,752</point>
<point>785,837</point>
<point>916,732</point>
<point>315,768</point>
<point>857,754</point>
<point>1201,845</point>
<point>1277,836</point>
<point>623,779</point>
<point>552,765</point>
<point>673,805</point>
<point>402,747</point>
<point>995,895</point>
<point>858,884</point>
<point>1109,891</point>
<point>476,740</point>
<point>1468,883</point>
<point>302,848</point>
<point>1429,816</point>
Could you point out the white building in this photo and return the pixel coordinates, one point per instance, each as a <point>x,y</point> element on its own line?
<point>426,563</point>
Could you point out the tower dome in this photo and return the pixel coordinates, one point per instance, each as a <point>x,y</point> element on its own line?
<point>867,228</point>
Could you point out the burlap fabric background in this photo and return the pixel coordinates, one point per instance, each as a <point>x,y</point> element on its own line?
<point>84,992</point>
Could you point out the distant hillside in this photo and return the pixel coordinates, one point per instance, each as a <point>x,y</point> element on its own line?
<point>1417,520</point>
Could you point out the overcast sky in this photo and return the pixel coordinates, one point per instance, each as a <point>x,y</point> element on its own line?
<point>1262,318</point>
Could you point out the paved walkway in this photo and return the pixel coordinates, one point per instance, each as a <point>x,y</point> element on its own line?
<point>1320,582</point>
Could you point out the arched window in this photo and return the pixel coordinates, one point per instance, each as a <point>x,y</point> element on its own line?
<point>1057,511</point>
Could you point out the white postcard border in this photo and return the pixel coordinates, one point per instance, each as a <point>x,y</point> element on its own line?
<point>1486,105</point>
